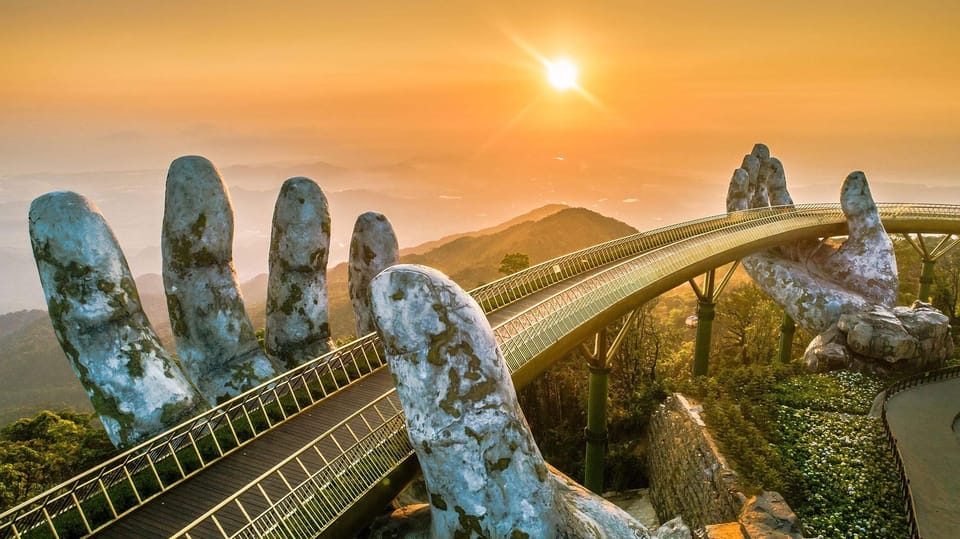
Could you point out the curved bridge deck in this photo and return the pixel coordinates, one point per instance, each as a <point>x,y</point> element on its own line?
<point>326,465</point>
<point>922,421</point>
<point>178,507</point>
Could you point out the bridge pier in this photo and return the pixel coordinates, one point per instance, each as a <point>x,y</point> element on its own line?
<point>929,257</point>
<point>787,329</point>
<point>596,431</point>
<point>707,295</point>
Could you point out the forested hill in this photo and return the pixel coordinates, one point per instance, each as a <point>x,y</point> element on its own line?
<point>473,261</point>
<point>35,375</point>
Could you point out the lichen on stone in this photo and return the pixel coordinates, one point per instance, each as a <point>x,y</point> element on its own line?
<point>297,329</point>
<point>96,314</point>
<point>480,462</point>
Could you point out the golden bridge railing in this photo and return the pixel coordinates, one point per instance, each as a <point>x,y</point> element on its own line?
<point>315,484</point>
<point>92,500</point>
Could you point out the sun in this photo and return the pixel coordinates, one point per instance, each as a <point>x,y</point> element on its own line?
<point>562,74</point>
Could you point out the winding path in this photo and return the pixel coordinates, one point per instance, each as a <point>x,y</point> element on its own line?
<point>922,421</point>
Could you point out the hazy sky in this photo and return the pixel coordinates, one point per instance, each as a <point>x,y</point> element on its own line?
<point>445,97</point>
<point>130,84</point>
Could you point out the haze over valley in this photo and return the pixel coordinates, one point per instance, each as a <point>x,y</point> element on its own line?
<point>444,117</point>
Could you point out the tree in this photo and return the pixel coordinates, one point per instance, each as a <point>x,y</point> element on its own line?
<point>513,262</point>
<point>749,322</point>
<point>946,285</point>
<point>40,452</point>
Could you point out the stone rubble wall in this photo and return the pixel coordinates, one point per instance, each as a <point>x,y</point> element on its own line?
<point>688,475</point>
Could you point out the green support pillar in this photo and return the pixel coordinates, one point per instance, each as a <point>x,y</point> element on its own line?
<point>706,311</point>
<point>926,279</point>
<point>596,430</point>
<point>787,329</point>
<point>929,259</point>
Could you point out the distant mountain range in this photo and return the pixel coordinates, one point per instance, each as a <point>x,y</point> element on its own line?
<point>35,375</point>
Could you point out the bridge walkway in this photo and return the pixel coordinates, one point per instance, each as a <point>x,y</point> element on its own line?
<point>922,421</point>
<point>189,500</point>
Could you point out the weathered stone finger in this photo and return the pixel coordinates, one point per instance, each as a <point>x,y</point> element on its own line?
<point>738,194</point>
<point>297,328</point>
<point>373,248</point>
<point>136,387</point>
<point>751,165</point>
<point>215,339</point>
<point>776,182</point>
<point>858,206</point>
<point>758,173</point>
<point>867,255</point>
<point>461,410</point>
<point>485,474</point>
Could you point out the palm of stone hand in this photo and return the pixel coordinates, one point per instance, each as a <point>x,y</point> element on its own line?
<point>815,281</point>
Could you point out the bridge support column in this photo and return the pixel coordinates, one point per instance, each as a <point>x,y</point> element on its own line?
<point>706,310</point>
<point>928,258</point>
<point>596,431</point>
<point>926,279</point>
<point>787,329</point>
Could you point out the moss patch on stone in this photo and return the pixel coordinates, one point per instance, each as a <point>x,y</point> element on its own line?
<point>135,364</point>
<point>199,226</point>
<point>500,465</point>
<point>294,295</point>
<point>469,524</point>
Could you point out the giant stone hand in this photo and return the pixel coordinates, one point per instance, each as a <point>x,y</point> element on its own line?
<point>481,465</point>
<point>136,387</point>
<point>843,290</point>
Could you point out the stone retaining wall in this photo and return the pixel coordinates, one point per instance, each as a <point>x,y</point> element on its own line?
<point>688,475</point>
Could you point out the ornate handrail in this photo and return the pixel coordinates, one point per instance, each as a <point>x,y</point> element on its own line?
<point>935,375</point>
<point>516,286</point>
<point>536,329</point>
<point>112,489</point>
<point>673,251</point>
<point>312,469</point>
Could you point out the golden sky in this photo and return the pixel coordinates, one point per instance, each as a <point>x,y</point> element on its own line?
<point>436,113</point>
<point>115,84</point>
